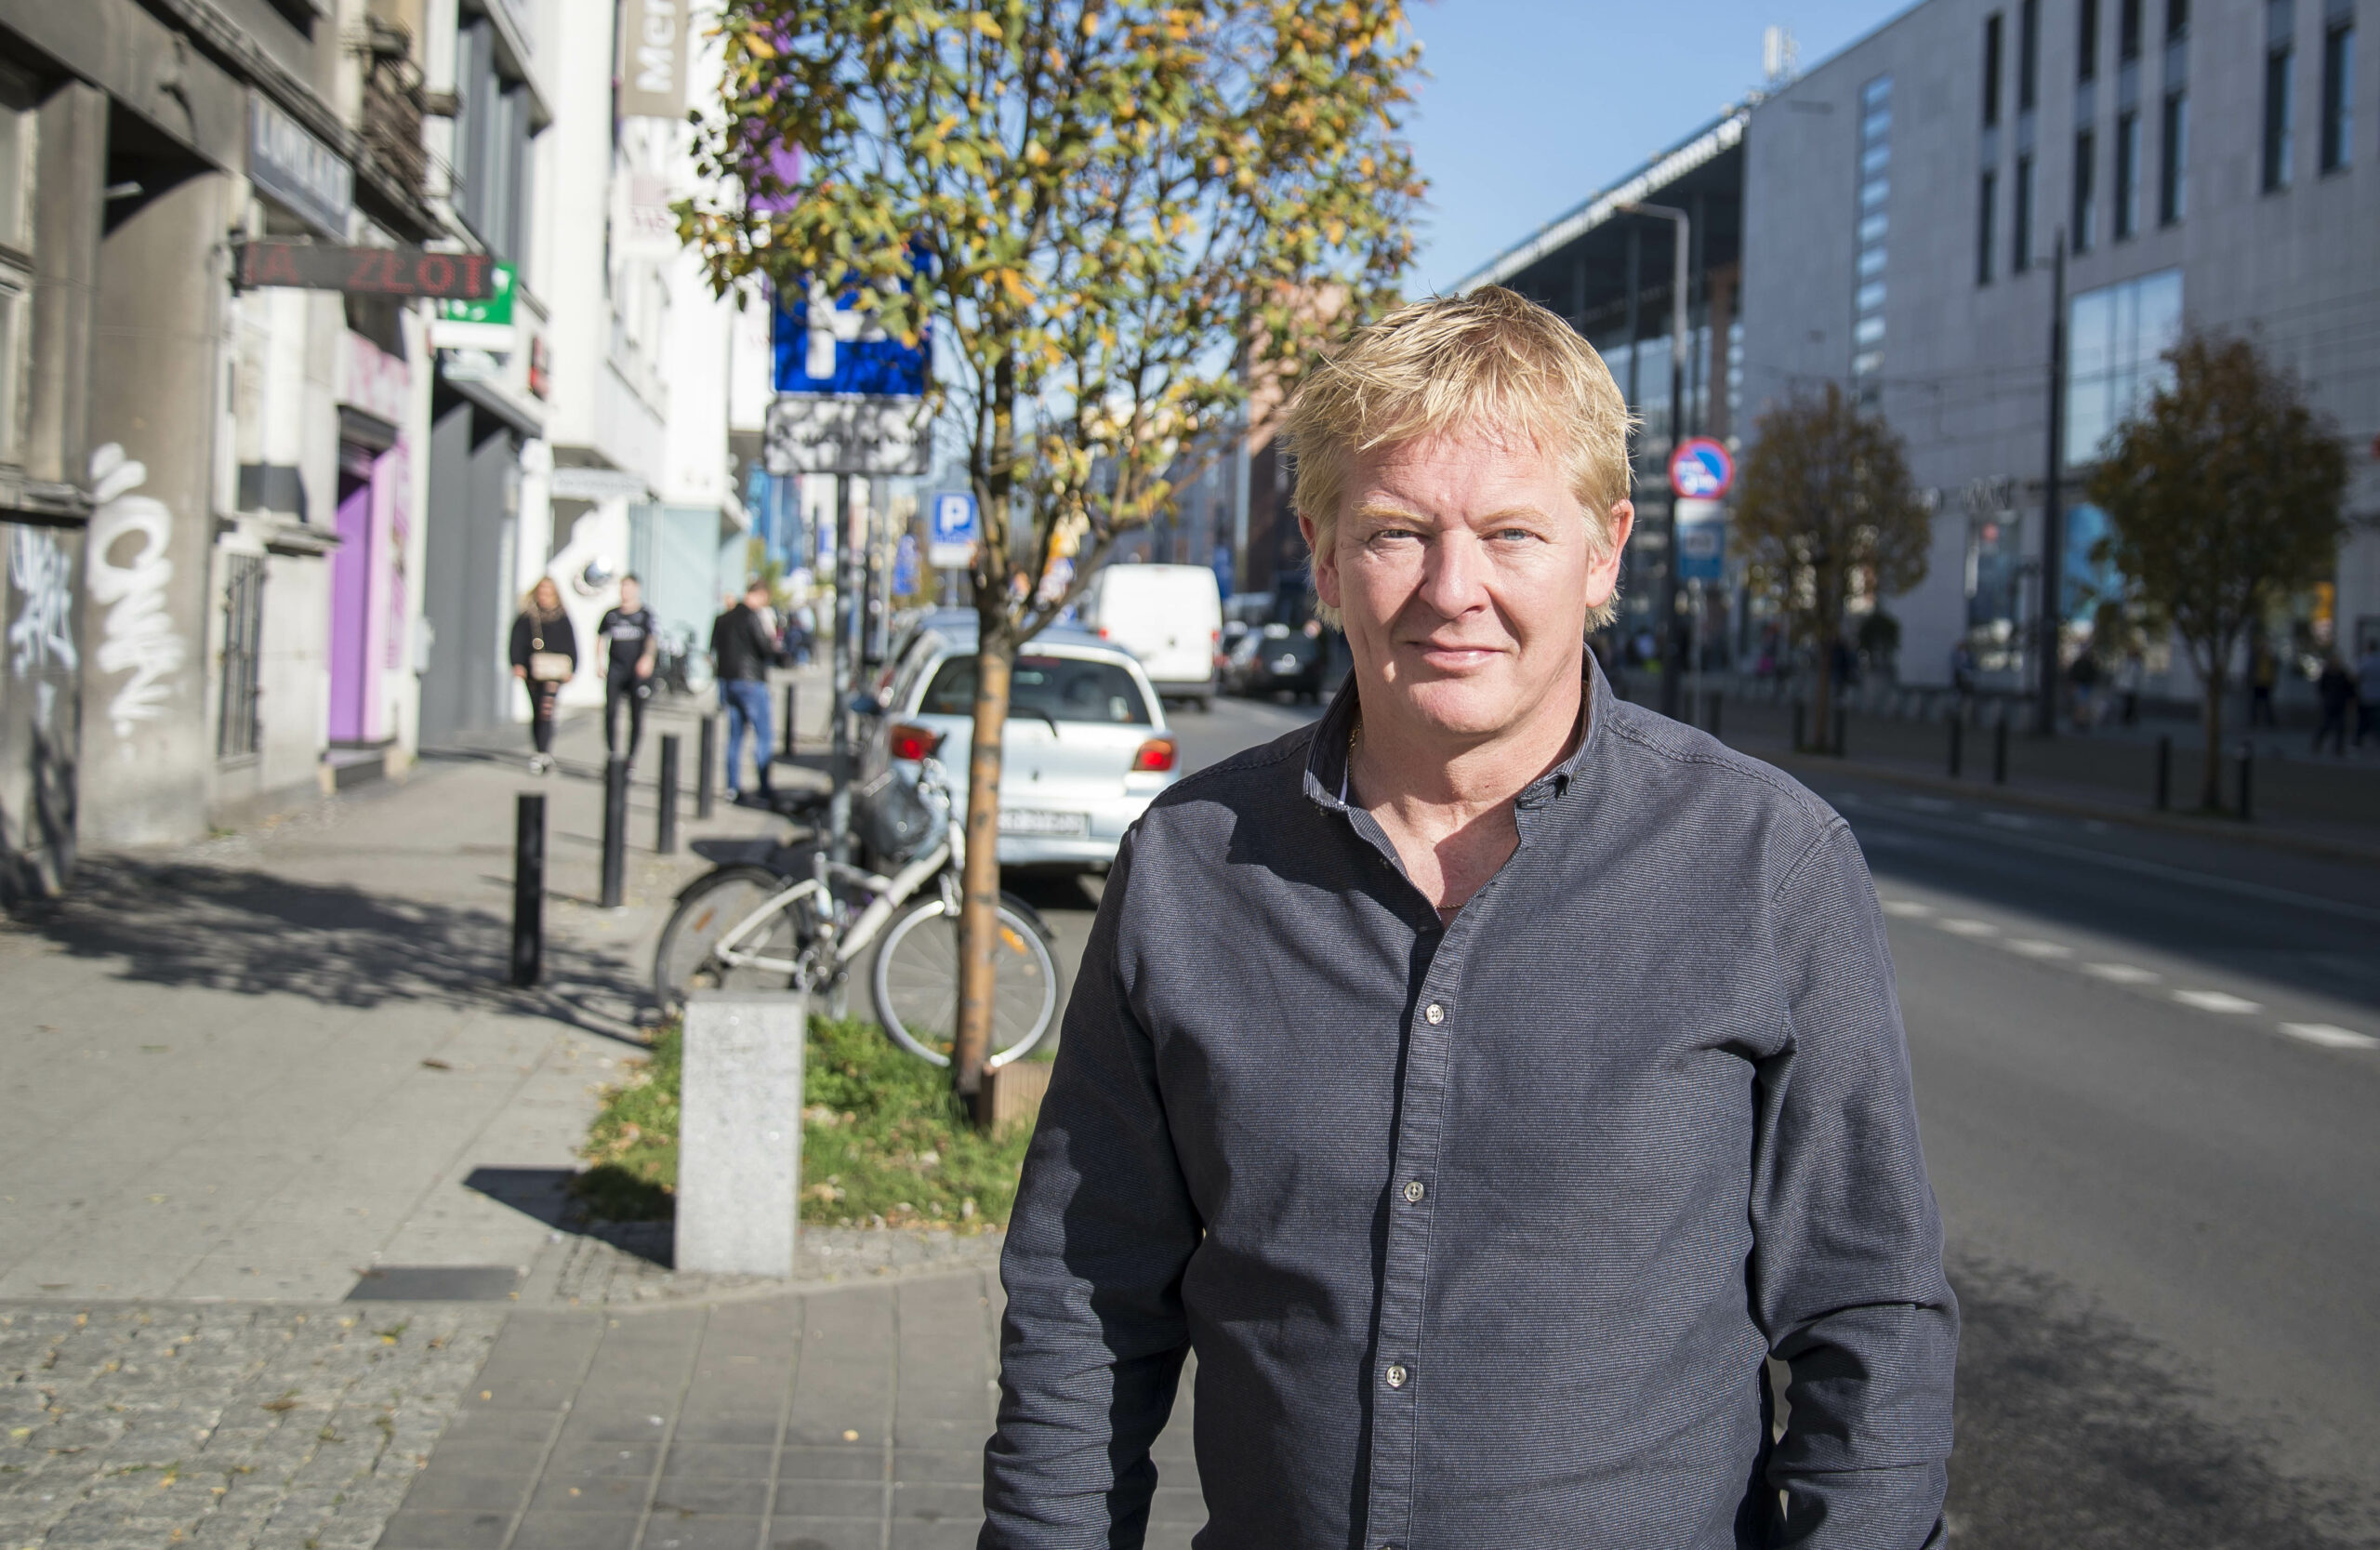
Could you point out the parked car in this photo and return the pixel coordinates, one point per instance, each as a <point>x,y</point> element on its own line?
<point>1273,658</point>
<point>1169,617</point>
<point>1086,746</point>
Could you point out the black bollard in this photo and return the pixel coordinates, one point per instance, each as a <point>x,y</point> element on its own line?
<point>1841,730</point>
<point>615,830</point>
<point>2247,782</point>
<point>2164,774</point>
<point>529,889</point>
<point>1999,749</point>
<point>1800,719</point>
<point>787,739</point>
<point>665,834</point>
<point>706,765</point>
<point>1958,740</point>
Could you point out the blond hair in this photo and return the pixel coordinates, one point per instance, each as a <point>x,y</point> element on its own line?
<point>1492,360</point>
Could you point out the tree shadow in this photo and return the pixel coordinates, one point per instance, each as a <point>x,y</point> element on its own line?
<point>193,925</point>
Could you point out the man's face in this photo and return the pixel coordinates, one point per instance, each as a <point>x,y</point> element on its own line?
<point>631,596</point>
<point>757,599</point>
<point>1464,571</point>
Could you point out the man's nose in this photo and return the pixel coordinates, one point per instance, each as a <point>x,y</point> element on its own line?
<point>1454,574</point>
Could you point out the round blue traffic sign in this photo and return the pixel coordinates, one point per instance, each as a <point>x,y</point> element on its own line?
<point>1701,468</point>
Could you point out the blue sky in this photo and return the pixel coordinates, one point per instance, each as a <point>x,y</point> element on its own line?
<point>1531,105</point>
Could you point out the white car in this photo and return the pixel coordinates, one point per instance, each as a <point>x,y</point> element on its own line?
<point>1169,617</point>
<point>1086,746</point>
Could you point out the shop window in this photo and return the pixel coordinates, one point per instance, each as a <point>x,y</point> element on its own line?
<point>236,723</point>
<point>2118,337</point>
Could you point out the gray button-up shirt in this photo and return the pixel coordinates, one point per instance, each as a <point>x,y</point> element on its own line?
<point>1481,1232</point>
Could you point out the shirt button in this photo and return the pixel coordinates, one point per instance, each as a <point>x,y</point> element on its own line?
<point>1396,1375</point>
<point>1435,1014</point>
<point>1413,1192</point>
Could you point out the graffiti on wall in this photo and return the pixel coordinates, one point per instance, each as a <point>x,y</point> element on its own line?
<point>127,573</point>
<point>40,570</point>
<point>39,729</point>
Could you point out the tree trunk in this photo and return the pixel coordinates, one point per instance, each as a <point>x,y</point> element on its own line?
<point>2209,795</point>
<point>1822,731</point>
<point>979,915</point>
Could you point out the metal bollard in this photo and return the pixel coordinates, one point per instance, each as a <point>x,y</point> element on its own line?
<point>1800,719</point>
<point>2247,781</point>
<point>1958,740</point>
<point>1999,749</point>
<point>706,765</point>
<point>529,889</point>
<point>787,740</point>
<point>2164,774</point>
<point>615,830</point>
<point>665,833</point>
<point>1841,730</point>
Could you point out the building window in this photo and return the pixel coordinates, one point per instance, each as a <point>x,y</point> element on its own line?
<point>1983,227</point>
<point>2118,335</point>
<point>2280,58</point>
<point>2020,223</point>
<point>1991,70</point>
<point>2128,31</point>
<point>2338,94</point>
<point>2127,175</point>
<point>2173,174</point>
<point>2177,19</point>
<point>16,276</point>
<point>235,723</point>
<point>2086,42</point>
<point>2084,219</point>
<point>1868,295</point>
<point>491,143</point>
<point>2029,55</point>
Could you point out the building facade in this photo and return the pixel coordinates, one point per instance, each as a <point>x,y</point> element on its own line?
<point>2204,164</point>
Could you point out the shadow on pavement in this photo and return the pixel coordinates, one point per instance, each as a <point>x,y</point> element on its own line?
<point>545,1194</point>
<point>250,932</point>
<point>2071,1431</point>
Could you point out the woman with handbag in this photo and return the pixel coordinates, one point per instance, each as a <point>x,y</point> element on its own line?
<point>545,657</point>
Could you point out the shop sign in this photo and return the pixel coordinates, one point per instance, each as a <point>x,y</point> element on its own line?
<point>398,272</point>
<point>295,170</point>
<point>652,59</point>
<point>482,323</point>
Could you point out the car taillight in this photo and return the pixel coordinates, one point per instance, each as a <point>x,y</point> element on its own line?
<point>913,743</point>
<point>1158,754</point>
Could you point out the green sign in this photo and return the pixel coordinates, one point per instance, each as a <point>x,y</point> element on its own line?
<point>495,307</point>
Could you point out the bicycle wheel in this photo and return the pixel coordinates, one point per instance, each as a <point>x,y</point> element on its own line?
<point>916,982</point>
<point>762,953</point>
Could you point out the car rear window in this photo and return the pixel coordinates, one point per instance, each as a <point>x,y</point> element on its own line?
<point>1062,688</point>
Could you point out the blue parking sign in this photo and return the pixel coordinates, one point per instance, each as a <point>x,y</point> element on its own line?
<point>951,530</point>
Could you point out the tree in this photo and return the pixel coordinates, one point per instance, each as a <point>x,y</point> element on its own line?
<point>1110,213</point>
<point>1826,508</point>
<point>2222,495</point>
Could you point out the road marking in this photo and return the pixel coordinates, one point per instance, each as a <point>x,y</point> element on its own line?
<point>1931,804</point>
<point>2215,1000</point>
<point>2123,973</point>
<point>2330,1036</point>
<point>1909,908</point>
<point>2032,947</point>
<point>1960,926</point>
<point>2007,820</point>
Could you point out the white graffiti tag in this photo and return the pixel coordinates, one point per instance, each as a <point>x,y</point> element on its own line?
<point>43,574</point>
<point>139,638</point>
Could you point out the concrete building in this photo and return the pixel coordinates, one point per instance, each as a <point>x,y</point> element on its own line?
<point>2208,163</point>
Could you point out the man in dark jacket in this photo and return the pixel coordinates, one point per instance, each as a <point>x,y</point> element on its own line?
<point>742,651</point>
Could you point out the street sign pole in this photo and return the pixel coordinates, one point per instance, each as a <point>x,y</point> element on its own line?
<point>2053,503</point>
<point>839,821</point>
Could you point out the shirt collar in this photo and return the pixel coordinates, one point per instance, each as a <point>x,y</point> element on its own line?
<point>1326,763</point>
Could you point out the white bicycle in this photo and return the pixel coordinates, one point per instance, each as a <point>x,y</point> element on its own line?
<point>805,921</point>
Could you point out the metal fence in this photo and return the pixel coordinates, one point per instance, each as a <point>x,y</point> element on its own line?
<point>235,729</point>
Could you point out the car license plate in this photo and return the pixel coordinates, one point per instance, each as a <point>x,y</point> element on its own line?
<point>1022,820</point>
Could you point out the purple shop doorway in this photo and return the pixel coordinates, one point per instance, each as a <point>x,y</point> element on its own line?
<point>351,602</point>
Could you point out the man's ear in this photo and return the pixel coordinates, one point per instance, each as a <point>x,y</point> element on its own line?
<point>1603,577</point>
<point>1325,564</point>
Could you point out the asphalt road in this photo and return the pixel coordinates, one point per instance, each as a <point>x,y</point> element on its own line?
<point>2150,1082</point>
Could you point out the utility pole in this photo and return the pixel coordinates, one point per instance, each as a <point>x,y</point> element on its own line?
<point>838,820</point>
<point>1672,666</point>
<point>2053,507</point>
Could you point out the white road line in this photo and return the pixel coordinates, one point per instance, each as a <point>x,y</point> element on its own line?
<point>1961,926</point>
<point>1910,908</point>
<point>2034,947</point>
<point>1930,804</point>
<point>2123,973</point>
<point>2215,1000</point>
<point>2330,1036</point>
<point>2007,820</point>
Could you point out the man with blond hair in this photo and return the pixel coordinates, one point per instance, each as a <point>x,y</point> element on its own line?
<point>1486,1081</point>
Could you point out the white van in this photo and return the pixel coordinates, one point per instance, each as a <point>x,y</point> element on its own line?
<point>1169,617</point>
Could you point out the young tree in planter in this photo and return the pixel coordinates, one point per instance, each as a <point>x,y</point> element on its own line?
<point>1825,499</point>
<point>1110,212</point>
<point>2223,498</point>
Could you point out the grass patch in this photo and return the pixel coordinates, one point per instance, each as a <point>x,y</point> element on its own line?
<point>883,1144</point>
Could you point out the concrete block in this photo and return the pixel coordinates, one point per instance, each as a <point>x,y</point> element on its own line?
<point>739,1138</point>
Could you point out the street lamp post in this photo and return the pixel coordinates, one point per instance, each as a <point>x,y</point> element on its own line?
<point>1671,669</point>
<point>2053,503</point>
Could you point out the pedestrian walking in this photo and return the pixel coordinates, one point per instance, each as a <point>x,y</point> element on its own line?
<point>2366,694</point>
<point>2335,691</point>
<point>2264,672</point>
<point>1481,1205</point>
<point>2083,677</point>
<point>631,645</point>
<point>742,650</point>
<point>2130,673</point>
<point>545,657</point>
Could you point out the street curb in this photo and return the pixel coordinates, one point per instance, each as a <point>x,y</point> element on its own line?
<point>2169,823</point>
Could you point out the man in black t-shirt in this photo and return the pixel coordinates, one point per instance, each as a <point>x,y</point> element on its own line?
<point>631,644</point>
